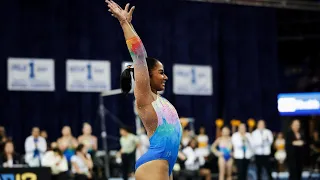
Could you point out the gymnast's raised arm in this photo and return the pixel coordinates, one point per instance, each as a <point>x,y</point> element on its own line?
<point>138,54</point>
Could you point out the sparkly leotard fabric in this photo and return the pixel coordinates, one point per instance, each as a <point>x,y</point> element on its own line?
<point>164,143</point>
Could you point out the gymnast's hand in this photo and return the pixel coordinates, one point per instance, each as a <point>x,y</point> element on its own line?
<point>128,13</point>
<point>119,13</point>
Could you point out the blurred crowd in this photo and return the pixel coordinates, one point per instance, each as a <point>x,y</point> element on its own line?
<point>68,156</point>
<point>231,154</point>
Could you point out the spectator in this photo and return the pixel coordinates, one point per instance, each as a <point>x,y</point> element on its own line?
<point>222,148</point>
<point>143,143</point>
<point>88,139</point>
<point>181,159</point>
<point>280,154</point>
<point>3,138</point>
<point>129,143</point>
<point>9,157</point>
<point>315,148</point>
<point>195,160</point>
<point>242,150</point>
<point>203,140</point>
<point>67,143</point>
<point>81,164</point>
<point>186,137</point>
<point>35,147</point>
<point>56,161</point>
<point>294,147</point>
<point>262,143</point>
<point>44,134</point>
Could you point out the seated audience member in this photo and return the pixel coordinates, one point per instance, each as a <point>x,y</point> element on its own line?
<point>195,160</point>
<point>186,137</point>
<point>57,162</point>
<point>222,148</point>
<point>315,148</point>
<point>35,147</point>
<point>82,164</point>
<point>67,143</point>
<point>9,158</point>
<point>3,138</point>
<point>280,154</point>
<point>181,159</point>
<point>203,140</point>
<point>179,165</point>
<point>87,139</point>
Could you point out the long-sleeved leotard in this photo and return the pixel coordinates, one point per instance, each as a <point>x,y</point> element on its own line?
<point>165,141</point>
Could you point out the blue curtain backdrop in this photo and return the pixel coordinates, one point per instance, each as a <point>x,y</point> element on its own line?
<point>238,42</point>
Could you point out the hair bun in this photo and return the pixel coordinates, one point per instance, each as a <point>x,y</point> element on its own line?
<point>130,67</point>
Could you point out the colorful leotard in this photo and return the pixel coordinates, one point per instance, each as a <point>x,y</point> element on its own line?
<point>164,143</point>
<point>226,152</point>
<point>68,153</point>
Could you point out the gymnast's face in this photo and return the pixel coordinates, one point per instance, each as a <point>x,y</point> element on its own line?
<point>157,77</point>
<point>87,130</point>
<point>225,131</point>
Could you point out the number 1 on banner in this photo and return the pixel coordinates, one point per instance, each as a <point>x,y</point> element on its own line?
<point>31,64</point>
<point>192,79</point>
<point>89,72</point>
<point>193,74</point>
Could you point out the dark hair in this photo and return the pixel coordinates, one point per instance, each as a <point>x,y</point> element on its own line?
<point>57,150</point>
<point>125,78</point>
<point>79,148</point>
<point>126,128</point>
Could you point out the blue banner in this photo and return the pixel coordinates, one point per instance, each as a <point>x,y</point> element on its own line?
<point>297,104</point>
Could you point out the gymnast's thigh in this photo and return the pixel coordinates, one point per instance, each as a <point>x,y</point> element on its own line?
<point>155,170</point>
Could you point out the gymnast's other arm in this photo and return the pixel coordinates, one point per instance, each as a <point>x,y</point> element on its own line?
<point>138,54</point>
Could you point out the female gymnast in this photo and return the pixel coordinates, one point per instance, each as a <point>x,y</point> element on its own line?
<point>222,148</point>
<point>158,116</point>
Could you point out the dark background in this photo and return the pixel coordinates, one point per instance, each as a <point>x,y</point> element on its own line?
<point>247,48</point>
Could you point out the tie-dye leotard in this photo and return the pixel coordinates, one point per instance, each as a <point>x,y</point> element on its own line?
<point>165,141</point>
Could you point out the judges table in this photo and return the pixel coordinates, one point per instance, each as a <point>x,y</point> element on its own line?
<point>25,173</point>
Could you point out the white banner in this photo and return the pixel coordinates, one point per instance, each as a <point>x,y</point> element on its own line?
<point>192,80</point>
<point>88,76</point>
<point>30,74</point>
<point>124,66</point>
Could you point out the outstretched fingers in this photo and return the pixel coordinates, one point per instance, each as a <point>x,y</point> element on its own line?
<point>127,7</point>
<point>111,5</point>
<point>131,10</point>
<point>116,5</point>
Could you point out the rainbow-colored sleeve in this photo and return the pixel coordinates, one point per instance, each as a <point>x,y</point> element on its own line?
<point>137,50</point>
